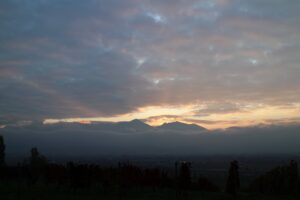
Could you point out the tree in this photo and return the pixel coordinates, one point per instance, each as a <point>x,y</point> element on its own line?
<point>2,151</point>
<point>185,175</point>
<point>233,180</point>
<point>283,180</point>
<point>293,177</point>
<point>37,164</point>
<point>36,160</point>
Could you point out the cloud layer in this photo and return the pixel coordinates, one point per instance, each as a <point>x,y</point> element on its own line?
<point>101,58</point>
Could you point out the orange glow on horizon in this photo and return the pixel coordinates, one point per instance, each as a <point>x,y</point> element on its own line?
<point>156,115</point>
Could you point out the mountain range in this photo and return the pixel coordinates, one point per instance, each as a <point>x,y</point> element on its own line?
<point>138,138</point>
<point>125,127</point>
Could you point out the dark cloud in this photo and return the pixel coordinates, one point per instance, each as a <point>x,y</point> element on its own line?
<point>66,58</point>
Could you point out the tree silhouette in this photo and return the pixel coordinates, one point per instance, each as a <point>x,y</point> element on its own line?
<point>185,175</point>
<point>233,180</point>
<point>37,164</point>
<point>280,180</point>
<point>2,151</point>
<point>36,160</point>
<point>293,177</point>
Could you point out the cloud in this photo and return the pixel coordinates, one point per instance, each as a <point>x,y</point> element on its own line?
<point>217,108</point>
<point>82,58</point>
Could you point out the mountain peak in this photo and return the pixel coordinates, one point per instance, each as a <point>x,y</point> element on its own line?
<point>138,122</point>
<point>180,126</point>
<point>135,124</point>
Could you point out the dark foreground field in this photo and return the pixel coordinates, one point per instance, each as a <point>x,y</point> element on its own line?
<point>39,179</point>
<point>15,191</point>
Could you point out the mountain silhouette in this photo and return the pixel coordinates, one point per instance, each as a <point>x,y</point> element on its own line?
<point>134,125</point>
<point>123,127</point>
<point>179,126</point>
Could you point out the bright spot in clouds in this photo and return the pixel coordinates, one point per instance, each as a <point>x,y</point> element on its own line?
<point>253,61</point>
<point>157,17</point>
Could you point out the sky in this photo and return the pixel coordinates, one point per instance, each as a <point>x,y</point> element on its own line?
<point>216,63</point>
